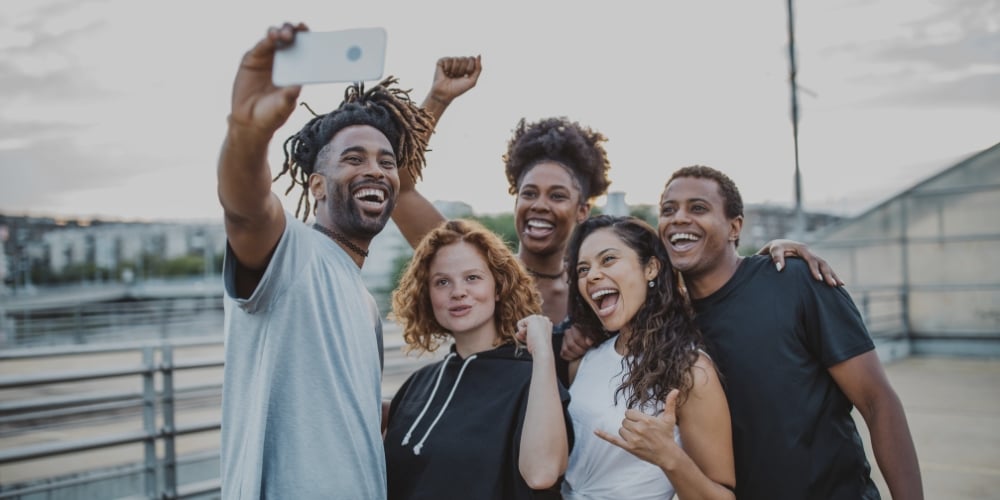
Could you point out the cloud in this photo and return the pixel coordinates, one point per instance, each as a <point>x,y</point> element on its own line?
<point>42,55</point>
<point>961,35</point>
<point>973,91</point>
<point>50,163</point>
<point>62,85</point>
<point>943,54</point>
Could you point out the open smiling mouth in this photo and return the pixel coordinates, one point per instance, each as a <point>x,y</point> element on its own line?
<point>538,228</point>
<point>605,299</point>
<point>683,241</point>
<point>371,198</point>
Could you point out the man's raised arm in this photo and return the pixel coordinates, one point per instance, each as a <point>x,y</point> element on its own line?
<point>254,216</point>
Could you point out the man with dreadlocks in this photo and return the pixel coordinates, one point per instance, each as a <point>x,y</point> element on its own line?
<point>302,388</point>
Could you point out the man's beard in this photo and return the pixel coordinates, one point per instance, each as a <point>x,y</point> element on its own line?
<point>354,223</point>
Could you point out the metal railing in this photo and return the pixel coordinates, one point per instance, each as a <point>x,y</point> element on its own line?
<point>159,472</point>
<point>882,310</point>
<point>84,323</point>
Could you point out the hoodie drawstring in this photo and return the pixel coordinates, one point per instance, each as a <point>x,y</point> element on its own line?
<point>444,364</point>
<point>406,439</point>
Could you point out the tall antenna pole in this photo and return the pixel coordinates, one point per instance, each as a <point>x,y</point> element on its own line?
<point>800,219</point>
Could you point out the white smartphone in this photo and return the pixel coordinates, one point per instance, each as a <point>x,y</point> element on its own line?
<point>353,55</point>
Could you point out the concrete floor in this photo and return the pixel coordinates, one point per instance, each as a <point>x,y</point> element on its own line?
<point>953,409</point>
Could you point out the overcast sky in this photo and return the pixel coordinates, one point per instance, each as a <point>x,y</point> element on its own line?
<point>116,108</point>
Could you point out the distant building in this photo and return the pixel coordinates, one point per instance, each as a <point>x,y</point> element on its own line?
<point>615,204</point>
<point>49,246</point>
<point>924,265</point>
<point>765,222</point>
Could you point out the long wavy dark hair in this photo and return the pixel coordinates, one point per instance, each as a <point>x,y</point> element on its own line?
<point>663,346</point>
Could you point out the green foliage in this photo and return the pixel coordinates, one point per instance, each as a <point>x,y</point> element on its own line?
<point>645,212</point>
<point>154,266</point>
<point>399,267</point>
<point>746,251</point>
<point>70,274</point>
<point>503,225</point>
<point>147,266</point>
<point>188,265</point>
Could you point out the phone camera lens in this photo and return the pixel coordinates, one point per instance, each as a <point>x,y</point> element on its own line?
<point>354,53</point>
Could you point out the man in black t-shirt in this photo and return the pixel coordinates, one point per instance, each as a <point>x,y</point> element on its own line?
<point>794,354</point>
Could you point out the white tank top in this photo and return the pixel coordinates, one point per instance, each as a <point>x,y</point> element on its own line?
<point>597,468</point>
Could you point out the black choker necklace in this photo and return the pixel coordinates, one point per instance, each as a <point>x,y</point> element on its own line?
<point>544,275</point>
<point>342,239</point>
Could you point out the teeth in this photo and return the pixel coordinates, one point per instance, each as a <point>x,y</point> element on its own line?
<point>600,293</point>
<point>540,224</point>
<point>378,194</point>
<point>683,236</point>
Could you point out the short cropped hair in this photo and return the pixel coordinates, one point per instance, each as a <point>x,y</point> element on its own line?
<point>732,201</point>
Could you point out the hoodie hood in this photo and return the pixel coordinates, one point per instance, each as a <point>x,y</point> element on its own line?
<point>504,351</point>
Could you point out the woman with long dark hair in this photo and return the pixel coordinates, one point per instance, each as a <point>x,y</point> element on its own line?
<point>649,413</point>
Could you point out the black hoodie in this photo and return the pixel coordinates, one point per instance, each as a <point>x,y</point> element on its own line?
<point>465,443</point>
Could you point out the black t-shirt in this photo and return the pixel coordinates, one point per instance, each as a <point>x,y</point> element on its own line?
<point>464,444</point>
<point>773,336</point>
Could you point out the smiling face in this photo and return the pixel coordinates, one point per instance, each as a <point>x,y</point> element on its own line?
<point>356,182</point>
<point>463,291</point>
<point>693,225</point>
<point>611,278</point>
<point>548,207</point>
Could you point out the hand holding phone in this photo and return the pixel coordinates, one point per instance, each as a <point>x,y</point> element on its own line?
<point>353,55</point>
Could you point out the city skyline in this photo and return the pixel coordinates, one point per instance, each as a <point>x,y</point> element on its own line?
<point>116,109</point>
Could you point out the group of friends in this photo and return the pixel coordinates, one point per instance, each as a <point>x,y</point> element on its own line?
<point>605,359</point>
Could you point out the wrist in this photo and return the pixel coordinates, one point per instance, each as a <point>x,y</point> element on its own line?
<point>441,101</point>
<point>671,459</point>
<point>544,355</point>
<point>245,132</point>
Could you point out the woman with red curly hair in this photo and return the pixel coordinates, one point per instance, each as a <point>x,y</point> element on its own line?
<point>490,419</point>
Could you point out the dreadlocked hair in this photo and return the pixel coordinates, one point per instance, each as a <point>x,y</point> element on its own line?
<point>385,107</point>
<point>575,146</point>
<point>664,340</point>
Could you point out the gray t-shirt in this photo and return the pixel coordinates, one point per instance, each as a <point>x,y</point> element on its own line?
<point>302,395</point>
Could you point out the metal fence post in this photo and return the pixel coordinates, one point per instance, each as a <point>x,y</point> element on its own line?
<point>165,313</point>
<point>169,429</point>
<point>905,265</point>
<point>149,420</point>
<point>78,334</point>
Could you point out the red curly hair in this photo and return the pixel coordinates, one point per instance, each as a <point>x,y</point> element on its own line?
<point>411,301</point>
